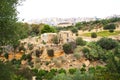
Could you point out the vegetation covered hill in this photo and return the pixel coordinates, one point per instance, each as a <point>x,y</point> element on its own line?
<point>24,55</point>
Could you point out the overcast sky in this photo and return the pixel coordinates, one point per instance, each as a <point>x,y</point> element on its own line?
<point>38,9</point>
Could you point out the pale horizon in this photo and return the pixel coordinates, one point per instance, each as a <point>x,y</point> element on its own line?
<point>39,9</point>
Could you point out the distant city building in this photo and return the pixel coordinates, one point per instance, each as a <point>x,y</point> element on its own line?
<point>57,21</point>
<point>65,24</point>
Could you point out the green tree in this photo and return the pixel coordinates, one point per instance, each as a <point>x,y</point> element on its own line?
<point>22,30</point>
<point>93,35</point>
<point>8,19</point>
<point>109,26</point>
<point>107,43</point>
<point>6,71</point>
<point>25,73</point>
<point>35,29</point>
<point>113,65</point>
<point>48,29</point>
<point>67,47</point>
<point>74,30</point>
<point>80,41</point>
<point>78,25</point>
<point>96,53</point>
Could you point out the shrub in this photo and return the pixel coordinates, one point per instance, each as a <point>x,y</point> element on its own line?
<point>93,35</point>
<point>22,48</point>
<point>109,26</point>
<point>28,57</point>
<point>96,52</point>
<point>43,42</point>
<point>16,63</point>
<point>53,71</point>
<point>80,41</point>
<point>40,74</point>
<point>72,70</point>
<point>30,46</point>
<point>6,55</point>
<point>85,50</point>
<point>82,69</point>
<point>63,59</point>
<point>78,49</point>
<point>50,52</point>
<point>62,71</point>
<point>74,30</point>
<point>107,43</point>
<point>57,62</point>
<point>83,76</point>
<point>62,76</point>
<point>77,55</point>
<point>111,30</point>
<point>38,52</point>
<point>117,51</point>
<point>47,63</point>
<point>91,69</point>
<point>73,45</point>
<point>67,48</point>
<point>55,40</point>
<point>23,57</point>
<point>25,72</point>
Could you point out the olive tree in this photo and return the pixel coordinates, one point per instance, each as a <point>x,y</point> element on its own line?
<point>8,18</point>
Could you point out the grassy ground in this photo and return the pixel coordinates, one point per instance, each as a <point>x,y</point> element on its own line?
<point>103,34</point>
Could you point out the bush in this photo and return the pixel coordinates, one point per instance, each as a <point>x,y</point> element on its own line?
<point>111,30</point>
<point>84,76</point>
<point>30,46</point>
<point>6,55</point>
<point>24,57</point>
<point>62,76</point>
<point>77,55</point>
<point>22,48</point>
<point>109,26</point>
<point>48,29</point>
<point>107,43</point>
<point>62,71</point>
<point>117,51</point>
<point>74,30</point>
<point>28,57</point>
<point>38,52</point>
<point>40,75</point>
<point>72,70</point>
<point>15,62</point>
<point>93,35</point>
<point>95,52</point>
<point>57,62</point>
<point>50,52</point>
<point>24,72</point>
<point>85,50</point>
<point>80,41</point>
<point>55,40</point>
<point>67,47</point>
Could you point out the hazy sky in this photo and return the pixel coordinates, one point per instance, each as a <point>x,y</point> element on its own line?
<point>38,9</point>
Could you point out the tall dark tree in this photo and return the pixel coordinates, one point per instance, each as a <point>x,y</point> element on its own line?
<point>8,19</point>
